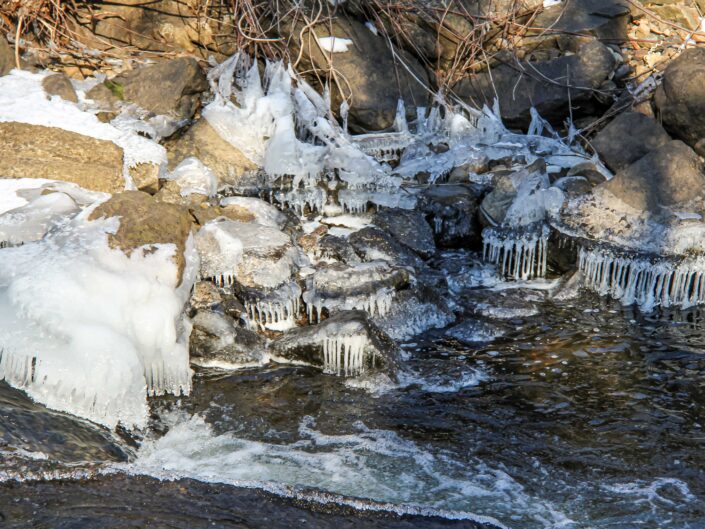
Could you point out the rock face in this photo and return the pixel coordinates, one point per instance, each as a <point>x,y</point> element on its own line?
<point>145,222</point>
<point>34,151</point>
<point>543,85</point>
<point>345,344</point>
<point>409,227</point>
<point>627,138</point>
<point>681,97</point>
<point>169,88</point>
<point>60,85</point>
<point>374,81</point>
<point>666,176</point>
<point>203,142</point>
<point>7,57</point>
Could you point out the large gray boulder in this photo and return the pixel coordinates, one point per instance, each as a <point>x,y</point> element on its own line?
<point>367,72</point>
<point>667,176</point>
<point>680,99</point>
<point>627,138</point>
<point>547,85</point>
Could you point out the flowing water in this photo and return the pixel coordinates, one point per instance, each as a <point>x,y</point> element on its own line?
<point>528,413</point>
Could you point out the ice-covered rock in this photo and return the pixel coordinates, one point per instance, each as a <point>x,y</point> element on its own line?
<point>261,212</point>
<point>33,220</point>
<point>346,344</point>
<point>217,341</point>
<point>368,286</point>
<point>374,244</point>
<point>414,311</point>
<point>193,177</point>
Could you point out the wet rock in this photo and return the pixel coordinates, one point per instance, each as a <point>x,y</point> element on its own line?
<point>680,99</point>
<point>216,340</point>
<point>34,151</point>
<point>347,343</point>
<point>368,286</point>
<point>145,222</point>
<point>452,210</point>
<point>204,143</point>
<point>414,311</point>
<point>336,249</point>
<point>409,227</point>
<point>666,176</point>
<point>172,88</point>
<point>372,244</point>
<point>627,138</point>
<point>60,85</point>
<point>366,65</point>
<point>543,85</point>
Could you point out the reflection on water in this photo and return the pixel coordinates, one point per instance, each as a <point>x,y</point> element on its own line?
<point>578,414</point>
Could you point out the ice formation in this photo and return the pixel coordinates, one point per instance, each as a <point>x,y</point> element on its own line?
<point>32,221</point>
<point>334,44</point>
<point>276,310</point>
<point>367,286</point>
<point>519,254</point>
<point>34,108</point>
<point>344,354</point>
<point>194,177</point>
<point>648,282</point>
<point>88,330</point>
<point>263,213</point>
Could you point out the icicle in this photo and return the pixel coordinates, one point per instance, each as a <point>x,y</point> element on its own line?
<point>648,282</point>
<point>344,355</point>
<point>520,255</point>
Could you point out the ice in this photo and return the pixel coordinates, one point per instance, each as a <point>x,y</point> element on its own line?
<point>519,254</point>
<point>278,309</point>
<point>264,213</point>
<point>334,44</point>
<point>312,199</point>
<point>194,177</point>
<point>647,281</point>
<point>11,191</point>
<point>32,221</point>
<point>22,99</point>
<point>87,330</point>
<point>221,250</point>
<point>344,354</point>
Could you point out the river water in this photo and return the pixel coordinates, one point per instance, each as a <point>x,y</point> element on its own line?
<point>528,413</point>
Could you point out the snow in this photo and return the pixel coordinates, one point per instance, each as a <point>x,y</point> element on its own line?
<point>11,191</point>
<point>22,99</point>
<point>87,330</point>
<point>334,44</point>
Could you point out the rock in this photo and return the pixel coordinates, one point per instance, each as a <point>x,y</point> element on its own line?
<point>521,85</point>
<point>205,296</point>
<point>452,211</point>
<point>7,56</point>
<point>145,222</point>
<point>409,227</point>
<point>414,311</point>
<point>373,244</point>
<point>204,143</point>
<point>666,176</point>
<point>170,192</point>
<point>627,138</point>
<point>172,88</point>
<point>349,330</point>
<point>367,286</point>
<point>216,340</point>
<point>254,255</point>
<point>60,85</point>
<point>366,66</point>
<point>105,96</point>
<point>35,151</point>
<point>589,171</point>
<point>680,99</point>
<point>336,249</point>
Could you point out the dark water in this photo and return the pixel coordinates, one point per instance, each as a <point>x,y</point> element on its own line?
<point>582,414</point>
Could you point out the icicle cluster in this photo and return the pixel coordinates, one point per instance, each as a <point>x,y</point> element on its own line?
<point>384,147</point>
<point>647,282</point>
<point>519,254</point>
<point>277,310</point>
<point>344,355</point>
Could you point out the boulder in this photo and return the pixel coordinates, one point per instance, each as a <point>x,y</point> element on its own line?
<point>680,99</point>
<point>452,211</point>
<point>35,151</point>
<point>60,85</point>
<point>347,343</point>
<point>372,244</point>
<point>627,138</point>
<point>366,71</point>
<point>172,88</point>
<point>204,143</point>
<point>409,227</point>
<point>669,175</point>
<point>145,222</point>
<point>216,340</point>
<point>7,56</point>
<point>546,85</point>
